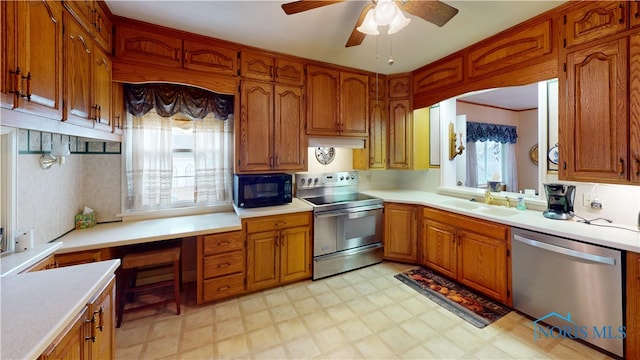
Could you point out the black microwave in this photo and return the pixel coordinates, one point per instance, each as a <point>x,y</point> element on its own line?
<point>250,191</point>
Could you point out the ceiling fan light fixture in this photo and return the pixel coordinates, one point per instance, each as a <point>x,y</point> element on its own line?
<point>398,23</point>
<point>385,12</point>
<point>369,25</point>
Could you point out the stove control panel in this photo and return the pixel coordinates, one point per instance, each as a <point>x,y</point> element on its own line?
<point>342,178</point>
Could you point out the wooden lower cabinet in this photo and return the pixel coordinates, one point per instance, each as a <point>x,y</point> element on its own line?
<point>91,335</point>
<point>471,251</point>
<point>47,263</point>
<point>220,267</point>
<point>401,232</point>
<point>82,257</point>
<point>632,341</point>
<point>278,250</point>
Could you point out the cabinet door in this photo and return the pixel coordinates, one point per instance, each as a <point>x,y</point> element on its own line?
<point>79,257</point>
<point>36,47</point>
<point>102,28</point>
<point>102,324</point>
<point>482,264</point>
<point>594,20</point>
<point>401,232</point>
<point>354,104</point>
<point>71,344</point>
<point>295,254</point>
<point>117,110</point>
<point>256,127</point>
<point>289,72</point>
<point>148,47</point>
<point>256,66</point>
<point>634,111</point>
<point>439,248</point>
<point>78,61</point>
<point>374,155</point>
<point>399,87</point>
<point>263,258</point>
<point>400,134</point>
<point>597,123</point>
<point>290,147</point>
<point>102,90</point>
<point>322,101</point>
<point>210,58</point>
<point>634,13</point>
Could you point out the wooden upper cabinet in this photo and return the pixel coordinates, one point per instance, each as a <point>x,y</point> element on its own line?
<point>78,60</point>
<point>400,134</point>
<point>118,112</point>
<point>593,138</point>
<point>378,134</point>
<point>354,104</point>
<point>634,107</point>
<point>102,90</point>
<point>634,13</point>
<point>448,73</point>
<point>256,66</point>
<point>210,58</point>
<point>135,44</point>
<point>323,101</point>
<point>32,57</point>
<point>593,20</point>
<point>399,87</point>
<point>289,72</point>
<point>378,87</point>
<point>289,141</point>
<point>94,19</point>
<point>255,152</point>
<point>527,44</point>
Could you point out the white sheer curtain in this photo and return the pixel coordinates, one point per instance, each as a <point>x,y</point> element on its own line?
<point>472,164</point>
<point>213,140</point>
<point>510,170</point>
<point>149,163</point>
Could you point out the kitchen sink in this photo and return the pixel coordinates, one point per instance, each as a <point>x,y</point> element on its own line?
<point>462,204</point>
<point>499,210</point>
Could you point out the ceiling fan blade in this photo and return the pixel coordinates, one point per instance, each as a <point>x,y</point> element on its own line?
<point>435,12</point>
<point>357,37</point>
<point>304,5</point>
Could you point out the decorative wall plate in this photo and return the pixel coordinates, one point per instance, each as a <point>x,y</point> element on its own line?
<point>533,154</point>
<point>325,155</point>
<point>553,154</point>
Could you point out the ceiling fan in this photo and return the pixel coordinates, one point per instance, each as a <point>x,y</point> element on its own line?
<point>433,11</point>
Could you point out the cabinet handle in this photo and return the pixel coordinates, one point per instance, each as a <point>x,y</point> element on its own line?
<point>176,54</point>
<point>222,243</point>
<point>621,20</point>
<point>17,90</point>
<point>100,313</point>
<point>621,167</point>
<point>99,113</point>
<point>224,265</point>
<point>271,161</point>
<point>282,223</point>
<point>637,166</point>
<point>224,288</point>
<point>28,79</point>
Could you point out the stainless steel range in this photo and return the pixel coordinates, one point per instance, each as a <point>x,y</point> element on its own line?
<point>347,227</point>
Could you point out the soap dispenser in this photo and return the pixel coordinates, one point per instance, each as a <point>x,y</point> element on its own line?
<point>521,204</point>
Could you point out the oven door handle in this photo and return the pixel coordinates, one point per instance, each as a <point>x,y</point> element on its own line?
<point>328,214</point>
<point>565,251</point>
<point>359,212</point>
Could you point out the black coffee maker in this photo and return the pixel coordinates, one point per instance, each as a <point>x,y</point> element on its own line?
<point>560,199</point>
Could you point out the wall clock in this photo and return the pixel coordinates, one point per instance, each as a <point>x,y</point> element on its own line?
<point>325,155</point>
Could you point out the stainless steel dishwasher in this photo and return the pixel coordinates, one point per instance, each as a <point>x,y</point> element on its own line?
<point>571,284</point>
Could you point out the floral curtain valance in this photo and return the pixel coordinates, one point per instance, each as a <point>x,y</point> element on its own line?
<point>504,134</point>
<point>170,99</point>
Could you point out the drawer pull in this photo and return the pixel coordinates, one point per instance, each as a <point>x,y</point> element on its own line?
<point>282,223</point>
<point>223,243</point>
<point>224,265</point>
<point>224,288</point>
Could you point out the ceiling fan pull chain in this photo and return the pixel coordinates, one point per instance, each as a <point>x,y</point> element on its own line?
<point>391,61</point>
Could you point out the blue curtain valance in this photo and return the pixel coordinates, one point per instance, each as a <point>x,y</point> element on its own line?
<point>504,134</point>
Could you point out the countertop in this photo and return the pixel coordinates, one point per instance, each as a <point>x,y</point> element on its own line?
<point>35,307</point>
<point>296,205</point>
<point>142,231</point>
<point>15,262</point>
<point>627,238</point>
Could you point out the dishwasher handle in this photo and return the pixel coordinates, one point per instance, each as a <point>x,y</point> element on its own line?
<point>565,251</point>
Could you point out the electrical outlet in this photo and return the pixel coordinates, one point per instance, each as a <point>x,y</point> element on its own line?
<point>586,201</point>
<point>596,204</point>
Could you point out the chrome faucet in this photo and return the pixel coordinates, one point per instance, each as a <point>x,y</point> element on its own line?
<point>488,198</point>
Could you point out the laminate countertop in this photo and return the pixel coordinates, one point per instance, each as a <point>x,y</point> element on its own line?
<point>36,307</point>
<point>621,237</point>
<point>12,263</point>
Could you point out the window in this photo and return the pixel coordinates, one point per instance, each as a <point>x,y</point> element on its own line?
<point>178,148</point>
<point>491,161</point>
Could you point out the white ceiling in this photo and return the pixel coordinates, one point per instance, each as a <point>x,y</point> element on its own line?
<point>320,34</point>
<point>513,98</point>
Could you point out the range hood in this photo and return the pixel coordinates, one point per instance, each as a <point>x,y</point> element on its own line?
<point>339,142</point>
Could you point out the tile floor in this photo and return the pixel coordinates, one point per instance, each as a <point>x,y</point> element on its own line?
<point>363,314</point>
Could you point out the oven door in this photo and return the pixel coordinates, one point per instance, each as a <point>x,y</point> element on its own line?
<point>359,226</point>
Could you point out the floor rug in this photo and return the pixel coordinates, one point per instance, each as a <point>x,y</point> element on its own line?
<point>475,309</point>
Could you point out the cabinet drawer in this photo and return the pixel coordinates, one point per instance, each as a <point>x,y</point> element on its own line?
<point>223,264</point>
<point>277,222</point>
<point>223,287</point>
<point>224,242</point>
<point>483,227</point>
